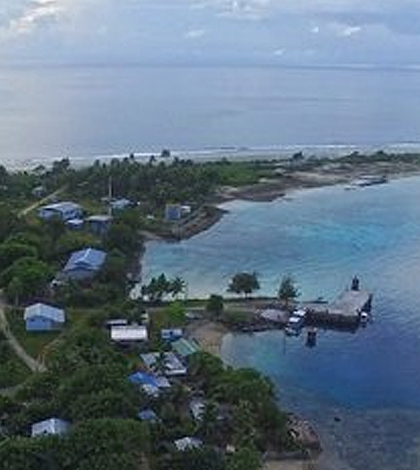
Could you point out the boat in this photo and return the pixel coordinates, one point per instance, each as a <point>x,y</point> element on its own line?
<point>364,318</point>
<point>371,180</point>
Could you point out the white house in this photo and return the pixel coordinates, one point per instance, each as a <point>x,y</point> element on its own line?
<point>129,333</point>
<point>52,426</point>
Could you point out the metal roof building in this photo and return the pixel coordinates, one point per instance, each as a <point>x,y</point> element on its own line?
<point>64,210</point>
<point>187,443</point>
<point>84,264</point>
<point>52,426</point>
<point>171,365</point>
<point>43,317</point>
<point>185,347</point>
<point>129,333</point>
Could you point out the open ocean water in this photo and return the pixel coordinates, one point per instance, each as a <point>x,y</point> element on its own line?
<point>361,390</point>
<point>83,112</point>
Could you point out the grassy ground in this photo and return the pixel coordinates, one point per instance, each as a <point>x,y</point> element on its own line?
<point>34,342</point>
<point>12,370</point>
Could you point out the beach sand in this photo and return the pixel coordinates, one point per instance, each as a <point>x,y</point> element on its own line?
<point>209,335</point>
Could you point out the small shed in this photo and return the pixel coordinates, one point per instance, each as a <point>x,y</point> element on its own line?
<point>148,415</point>
<point>171,334</point>
<point>173,212</point>
<point>84,264</point>
<point>197,408</point>
<point>48,427</point>
<point>99,224</point>
<point>43,317</point>
<point>187,443</point>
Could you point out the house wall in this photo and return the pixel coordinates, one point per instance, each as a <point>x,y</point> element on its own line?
<point>63,215</point>
<point>80,274</point>
<point>40,324</point>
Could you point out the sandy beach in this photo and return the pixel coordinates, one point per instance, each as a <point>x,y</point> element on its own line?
<point>209,335</point>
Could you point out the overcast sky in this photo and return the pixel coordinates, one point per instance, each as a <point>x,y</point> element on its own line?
<point>302,32</point>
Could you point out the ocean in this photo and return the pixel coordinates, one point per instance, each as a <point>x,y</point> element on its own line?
<point>83,112</point>
<point>361,390</point>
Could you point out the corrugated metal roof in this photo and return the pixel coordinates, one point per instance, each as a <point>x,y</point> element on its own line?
<point>45,311</point>
<point>188,443</point>
<point>89,258</point>
<point>62,206</point>
<point>129,333</point>
<point>50,426</point>
<point>100,218</point>
<point>172,365</point>
<point>148,415</point>
<point>184,347</point>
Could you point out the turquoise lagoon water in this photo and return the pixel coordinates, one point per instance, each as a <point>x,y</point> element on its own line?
<point>370,380</point>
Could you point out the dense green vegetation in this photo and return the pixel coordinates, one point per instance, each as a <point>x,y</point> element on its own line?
<point>86,382</point>
<point>12,370</point>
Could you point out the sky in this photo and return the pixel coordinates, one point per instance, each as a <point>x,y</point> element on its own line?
<point>288,32</point>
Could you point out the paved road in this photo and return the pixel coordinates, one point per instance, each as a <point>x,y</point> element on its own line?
<point>32,363</point>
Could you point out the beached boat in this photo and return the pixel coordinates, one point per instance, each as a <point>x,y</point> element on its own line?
<point>371,180</point>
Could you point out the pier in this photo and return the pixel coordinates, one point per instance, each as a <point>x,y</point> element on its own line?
<point>344,312</point>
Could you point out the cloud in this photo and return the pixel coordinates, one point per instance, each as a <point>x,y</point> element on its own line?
<point>345,30</point>
<point>239,9</point>
<point>36,12</point>
<point>279,52</point>
<point>195,33</point>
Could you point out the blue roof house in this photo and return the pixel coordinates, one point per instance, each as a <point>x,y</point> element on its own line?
<point>84,264</point>
<point>42,317</point>
<point>62,210</point>
<point>52,426</point>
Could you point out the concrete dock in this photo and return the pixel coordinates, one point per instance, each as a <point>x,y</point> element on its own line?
<point>344,312</point>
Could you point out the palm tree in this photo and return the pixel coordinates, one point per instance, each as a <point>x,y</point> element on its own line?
<point>177,286</point>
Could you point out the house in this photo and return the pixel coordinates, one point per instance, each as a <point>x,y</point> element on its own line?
<point>42,317</point>
<point>120,204</point>
<point>187,443</point>
<point>84,264</point>
<point>148,415</point>
<point>62,210</point>
<point>52,426</point>
<point>197,408</point>
<point>38,191</point>
<point>171,334</point>
<point>173,212</point>
<point>185,348</point>
<point>128,334</point>
<point>151,384</point>
<point>170,365</point>
<point>99,224</point>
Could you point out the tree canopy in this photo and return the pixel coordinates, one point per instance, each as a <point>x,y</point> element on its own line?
<point>244,283</point>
